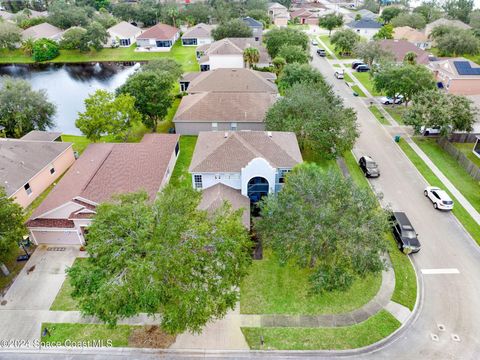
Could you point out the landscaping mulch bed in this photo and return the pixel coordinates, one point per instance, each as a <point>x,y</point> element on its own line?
<point>150,337</point>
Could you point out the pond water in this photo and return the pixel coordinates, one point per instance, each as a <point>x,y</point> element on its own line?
<point>68,85</point>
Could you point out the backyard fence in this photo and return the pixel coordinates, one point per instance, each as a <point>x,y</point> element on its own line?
<point>467,164</point>
<point>463,137</point>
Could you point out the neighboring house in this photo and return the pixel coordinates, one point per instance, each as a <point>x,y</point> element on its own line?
<point>305,16</point>
<point>278,14</point>
<point>222,111</point>
<point>399,48</point>
<point>256,26</point>
<point>160,37</point>
<point>28,166</point>
<point>44,30</point>
<point>365,27</point>
<point>367,14</point>
<point>6,16</point>
<point>103,170</point>
<point>229,80</point>
<point>32,14</point>
<point>253,163</point>
<point>123,34</point>
<point>228,53</point>
<point>453,23</point>
<point>200,34</point>
<point>414,36</point>
<point>457,76</point>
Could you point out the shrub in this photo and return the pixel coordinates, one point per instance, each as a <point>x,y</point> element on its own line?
<point>45,49</point>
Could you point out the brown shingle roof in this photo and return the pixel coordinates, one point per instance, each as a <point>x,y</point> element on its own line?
<point>409,34</point>
<point>215,152</point>
<point>107,169</point>
<point>235,46</point>
<point>233,80</point>
<point>214,197</point>
<point>399,48</point>
<point>224,107</point>
<point>159,32</point>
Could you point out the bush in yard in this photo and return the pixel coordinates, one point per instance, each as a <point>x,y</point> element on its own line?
<point>325,222</point>
<point>73,38</point>
<point>10,35</point>
<point>45,49</point>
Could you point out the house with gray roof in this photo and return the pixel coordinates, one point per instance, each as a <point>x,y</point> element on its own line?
<point>123,34</point>
<point>256,26</point>
<point>200,34</point>
<point>366,28</point>
<point>253,163</point>
<point>367,14</point>
<point>28,166</point>
<point>44,30</point>
<point>228,53</point>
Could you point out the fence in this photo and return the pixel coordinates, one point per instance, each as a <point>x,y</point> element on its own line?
<point>468,165</point>
<point>463,137</point>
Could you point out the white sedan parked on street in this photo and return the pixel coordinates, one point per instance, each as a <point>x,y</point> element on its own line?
<point>439,198</point>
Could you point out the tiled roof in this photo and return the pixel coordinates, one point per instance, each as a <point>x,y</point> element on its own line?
<point>44,30</point>
<point>409,34</point>
<point>51,223</point>
<point>214,197</point>
<point>199,31</point>
<point>224,107</point>
<point>233,80</point>
<point>159,32</point>
<point>217,151</point>
<point>235,46</point>
<point>21,160</point>
<point>125,30</point>
<point>107,169</point>
<point>37,135</point>
<point>399,48</point>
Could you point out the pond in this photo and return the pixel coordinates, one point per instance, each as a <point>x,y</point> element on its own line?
<point>68,85</point>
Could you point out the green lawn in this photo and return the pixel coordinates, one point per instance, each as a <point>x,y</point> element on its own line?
<point>166,124</point>
<point>180,175</point>
<point>60,332</point>
<point>326,40</point>
<point>274,289</point>
<point>347,78</point>
<point>378,115</point>
<point>64,301</point>
<point>462,215</point>
<point>366,80</point>
<point>350,337</point>
<point>467,150</point>
<point>396,111</point>
<point>13,266</point>
<point>185,55</point>
<point>405,292</point>
<point>356,88</point>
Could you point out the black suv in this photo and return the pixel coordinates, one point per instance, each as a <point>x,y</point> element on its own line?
<point>368,166</point>
<point>321,52</point>
<point>404,233</point>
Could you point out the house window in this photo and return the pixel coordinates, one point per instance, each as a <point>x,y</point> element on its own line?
<point>257,38</point>
<point>27,188</point>
<point>233,126</point>
<point>281,177</point>
<point>204,67</point>
<point>52,170</point>
<point>125,42</point>
<point>198,181</point>
<point>177,148</point>
<point>164,43</point>
<point>184,86</point>
<point>214,126</point>
<point>189,41</point>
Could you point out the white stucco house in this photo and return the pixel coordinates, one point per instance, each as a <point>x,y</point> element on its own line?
<point>160,37</point>
<point>366,28</point>
<point>123,34</point>
<point>252,162</point>
<point>200,34</point>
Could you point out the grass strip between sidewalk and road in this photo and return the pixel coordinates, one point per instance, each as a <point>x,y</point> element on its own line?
<point>366,80</point>
<point>356,88</point>
<point>378,115</point>
<point>458,210</point>
<point>365,333</point>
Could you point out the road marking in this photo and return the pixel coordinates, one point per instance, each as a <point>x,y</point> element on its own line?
<point>439,271</point>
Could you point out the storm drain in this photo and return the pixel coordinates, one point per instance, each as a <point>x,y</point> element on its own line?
<point>455,337</point>
<point>434,337</point>
<point>441,327</point>
<point>56,249</point>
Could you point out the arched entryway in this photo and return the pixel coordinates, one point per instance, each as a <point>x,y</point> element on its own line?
<point>257,188</point>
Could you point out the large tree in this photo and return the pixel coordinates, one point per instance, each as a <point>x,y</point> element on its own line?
<point>23,109</point>
<point>330,22</point>
<point>153,91</point>
<point>344,41</point>
<point>371,52</point>
<point>106,114</point>
<point>9,35</point>
<point>233,28</point>
<point>294,54</point>
<point>96,36</point>
<point>324,222</point>
<point>276,38</point>
<point>317,116</point>
<point>66,14</point>
<point>459,9</point>
<point>12,227</point>
<point>435,108</point>
<point>385,32</point>
<point>406,79</point>
<point>456,42</point>
<point>74,38</point>
<point>390,12</point>
<point>167,257</point>
<point>430,10</point>
<point>168,65</point>
<point>414,20</point>
<point>197,13</point>
<point>299,73</point>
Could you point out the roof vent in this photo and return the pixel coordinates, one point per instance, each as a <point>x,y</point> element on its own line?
<point>269,133</point>
<point>225,135</point>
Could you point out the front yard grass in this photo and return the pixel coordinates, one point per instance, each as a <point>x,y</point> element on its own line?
<point>185,55</point>
<point>366,80</point>
<point>274,289</point>
<point>462,215</point>
<point>14,267</point>
<point>396,111</point>
<point>378,115</point>
<point>368,332</point>
<point>467,150</point>
<point>181,176</point>
<point>326,40</point>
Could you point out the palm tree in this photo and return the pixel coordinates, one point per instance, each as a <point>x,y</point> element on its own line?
<point>410,58</point>
<point>27,46</point>
<point>251,56</point>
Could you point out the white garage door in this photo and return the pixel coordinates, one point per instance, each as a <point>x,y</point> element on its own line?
<point>56,237</point>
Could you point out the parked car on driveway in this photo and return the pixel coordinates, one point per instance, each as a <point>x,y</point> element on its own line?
<point>429,131</point>
<point>388,100</point>
<point>362,68</point>
<point>368,166</point>
<point>356,63</point>
<point>321,52</point>
<point>314,43</point>
<point>439,198</point>
<point>404,233</point>
<point>339,74</point>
